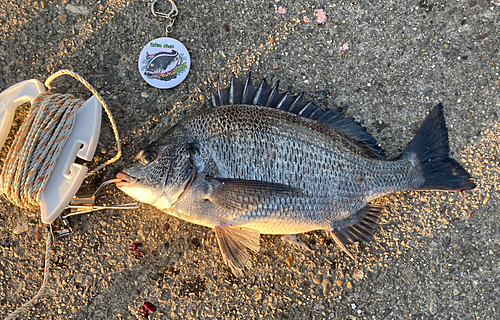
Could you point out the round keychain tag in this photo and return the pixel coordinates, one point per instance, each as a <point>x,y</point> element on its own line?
<point>164,62</point>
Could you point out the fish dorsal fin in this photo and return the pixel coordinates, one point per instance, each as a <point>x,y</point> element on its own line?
<point>267,96</point>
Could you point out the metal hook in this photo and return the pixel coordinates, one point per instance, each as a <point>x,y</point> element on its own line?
<point>81,205</point>
<point>169,16</point>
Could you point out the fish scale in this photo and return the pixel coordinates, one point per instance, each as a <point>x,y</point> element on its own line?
<point>283,166</point>
<point>338,189</point>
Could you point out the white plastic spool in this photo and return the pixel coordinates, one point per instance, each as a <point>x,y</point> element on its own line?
<point>67,176</point>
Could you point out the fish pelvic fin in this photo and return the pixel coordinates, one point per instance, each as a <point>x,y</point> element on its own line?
<point>431,149</point>
<point>359,227</point>
<point>233,243</point>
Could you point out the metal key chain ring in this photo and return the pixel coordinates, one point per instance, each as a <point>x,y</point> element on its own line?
<point>169,16</point>
<point>164,62</point>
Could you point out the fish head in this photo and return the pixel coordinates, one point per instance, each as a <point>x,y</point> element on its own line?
<point>159,176</point>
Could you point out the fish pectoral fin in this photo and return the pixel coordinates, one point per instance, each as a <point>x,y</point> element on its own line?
<point>233,244</point>
<point>246,195</point>
<point>358,228</point>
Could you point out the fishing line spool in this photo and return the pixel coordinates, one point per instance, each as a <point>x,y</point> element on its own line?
<point>78,129</point>
<point>58,129</point>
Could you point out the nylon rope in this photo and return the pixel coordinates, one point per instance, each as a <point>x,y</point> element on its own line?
<point>44,284</point>
<point>40,140</point>
<point>35,150</point>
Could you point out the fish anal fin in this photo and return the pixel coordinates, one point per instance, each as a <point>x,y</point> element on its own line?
<point>360,227</point>
<point>246,195</point>
<point>341,242</point>
<point>233,243</point>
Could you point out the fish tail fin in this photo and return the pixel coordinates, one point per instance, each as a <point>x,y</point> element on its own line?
<point>431,149</point>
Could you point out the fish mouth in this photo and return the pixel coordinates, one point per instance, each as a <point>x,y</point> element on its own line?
<point>125,180</point>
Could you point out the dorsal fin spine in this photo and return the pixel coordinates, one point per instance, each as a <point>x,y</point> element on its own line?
<point>282,100</point>
<point>231,90</point>
<point>303,111</point>
<point>219,89</point>
<point>214,98</point>
<point>295,102</point>
<point>247,89</point>
<point>258,93</point>
<point>247,93</point>
<point>273,92</point>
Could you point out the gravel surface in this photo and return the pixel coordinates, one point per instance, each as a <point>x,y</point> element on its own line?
<point>386,63</point>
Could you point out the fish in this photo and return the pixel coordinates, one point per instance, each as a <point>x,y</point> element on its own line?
<point>262,161</point>
<point>162,63</point>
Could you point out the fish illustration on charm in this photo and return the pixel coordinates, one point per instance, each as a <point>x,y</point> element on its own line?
<point>164,62</point>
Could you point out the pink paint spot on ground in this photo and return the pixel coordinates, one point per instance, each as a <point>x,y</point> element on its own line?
<point>344,47</point>
<point>281,10</point>
<point>329,42</point>
<point>306,19</point>
<point>321,15</point>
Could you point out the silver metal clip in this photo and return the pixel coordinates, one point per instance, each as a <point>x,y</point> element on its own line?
<point>82,204</point>
<point>169,16</point>
<point>64,230</point>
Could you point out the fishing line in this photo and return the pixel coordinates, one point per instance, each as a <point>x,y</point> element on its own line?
<point>48,245</point>
<point>35,150</point>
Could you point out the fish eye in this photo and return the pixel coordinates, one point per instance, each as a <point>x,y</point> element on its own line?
<point>148,156</point>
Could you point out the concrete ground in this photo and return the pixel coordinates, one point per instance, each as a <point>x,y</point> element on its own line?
<point>383,62</point>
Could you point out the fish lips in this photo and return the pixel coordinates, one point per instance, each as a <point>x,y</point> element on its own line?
<point>135,188</point>
<point>126,180</point>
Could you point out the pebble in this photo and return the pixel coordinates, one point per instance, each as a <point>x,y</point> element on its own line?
<point>20,228</point>
<point>144,95</point>
<point>77,9</point>
<point>327,287</point>
<point>432,308</point>
<point>317,279</point>
<point>319,306</point>
<point>359,274</point>
<point>63,18</point>
<point>350,288</point>
<point>273,302</point>
<point>289,260</point>
<point>257,295</point>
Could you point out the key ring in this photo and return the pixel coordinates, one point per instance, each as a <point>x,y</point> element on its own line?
<point>164,62</point>
<point>169,16</point>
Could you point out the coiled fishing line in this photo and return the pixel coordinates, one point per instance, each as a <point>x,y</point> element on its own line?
<point>35,150</point>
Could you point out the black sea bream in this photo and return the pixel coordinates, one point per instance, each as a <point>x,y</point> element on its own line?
<point>265,162</point>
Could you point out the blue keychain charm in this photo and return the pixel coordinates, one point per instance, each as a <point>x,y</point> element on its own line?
<point>164,62</point>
